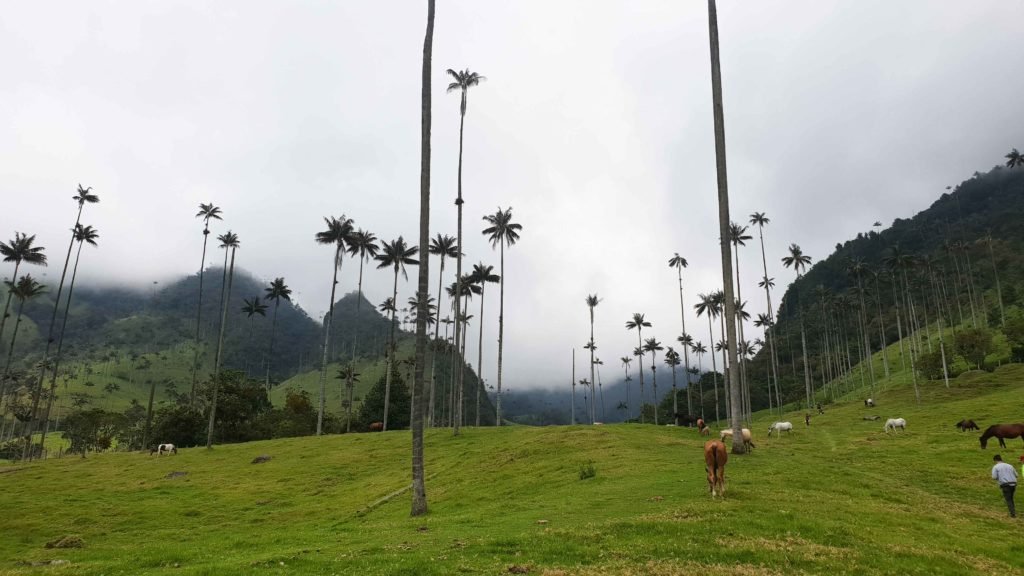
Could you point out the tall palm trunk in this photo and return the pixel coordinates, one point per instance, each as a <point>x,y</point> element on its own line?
<point>270,347</point>
<point>10,294</point>
<point>391,350</point>
<point>220,352</point>
<point>38,388</point>
<point>60,346</point>
<point>881,328</point>
<point>437,349</point>
<point>726,373</point>
<point>199,317</point>
<point>457,414</point>
<point>769,338</point>
<point>744,389</point>
<point>714,368</point>
<point>686,348</point>
<point>999,289</point>
<point>654,384</point>
<point>640,363</point>
<point>419,492</point>
<point>149,415</point>
<point>480,353</point>
<point>322,404</point>
<point>10,349</point>
<point>501,328</point>
<point>591,361</point>
<point>803,343</point>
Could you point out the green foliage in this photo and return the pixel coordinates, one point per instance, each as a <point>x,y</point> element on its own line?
<point>974,344</point>
<point>178,425</point>
<point>399,406</point>
<point>930,364</point>
<point>93,429</point>
<point>587,470</point>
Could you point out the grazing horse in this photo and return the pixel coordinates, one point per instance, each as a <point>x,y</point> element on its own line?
<point>701,424</point>
<point>894,423</point>
<point>779,428</point>
<point>377,427</point>
<point>869,403</point>
<point>685,420</point>
<point>965,425</point>
<point>727,433</point>
<point>705,431</point>
<point>162,449</point>
<point>715,457</point>
<point>1002,432</point>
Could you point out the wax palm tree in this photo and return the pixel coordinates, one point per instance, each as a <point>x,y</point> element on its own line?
<point>228,241</point>
<point>252,308</point>
<point>626,361</point>
<point>82,196</point>
<point>723,220</point>
<point>83,235</point>
<point>19,250</point>
<point>395,255</point>
<point>361,244</point>
<point>24,290</point>
<point>857,268</point>
<point>501,232</point>
<point>798,261</point>
<point>707,306</point>
<point>482,275</point>
<point>653,346</point>
<point>672,360</point>
<point>414,304</point>
<point>700,350</point>
<point>277,291</point>
<point>738,236</point>
<point>349,376</point>
<point>207,212</point>
<point>638,323</point>
<point>463,81</point>
<point>338,234</point>
<point>592,301</point>
<point>460,293</point>
<point>678,262</point>
<point>445,247</point>
<point>687,342</point>
<point>760,220</point>
<point>1014,159</point>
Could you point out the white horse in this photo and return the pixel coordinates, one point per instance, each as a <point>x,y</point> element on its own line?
<point>161,449</point>
<point>894,423</point>
<point>779,428</point>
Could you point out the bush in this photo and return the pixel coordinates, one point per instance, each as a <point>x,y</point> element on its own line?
<point>372,409</point>
<point>587,470</point>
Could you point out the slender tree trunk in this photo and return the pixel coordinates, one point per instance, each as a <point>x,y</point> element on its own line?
<point>573,405</point>
<point>322,403</point>
<point>270,348</point>
<point>437,349</point>
<point>38,388</point>
<point>899,323</point>
<point>419,492</point>
<point>60,347</point>
<point>686,348</point>
<point>149,415</point>
<point>199,317</point>
<point>501,328</point>
<point>999,289</point>
<point>457,414</point>
<point>591,359</point>
<point>480,353</point>
<point>714,367</point>
<point>640,344</point>
<point>220,352</point>
<point>10,293</point>
<point>654,384</point>
<point>391,350</point>
<point>10,349</point>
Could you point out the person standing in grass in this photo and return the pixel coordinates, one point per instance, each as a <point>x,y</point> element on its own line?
<point>1006,476</point>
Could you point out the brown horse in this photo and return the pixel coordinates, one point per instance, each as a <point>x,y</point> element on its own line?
<point>376,427</point>
<point>715,457</point>
<point>965,425</point>
<point>1002,431</point>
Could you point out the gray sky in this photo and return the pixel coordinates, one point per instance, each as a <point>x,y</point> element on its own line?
<point>594,125</point>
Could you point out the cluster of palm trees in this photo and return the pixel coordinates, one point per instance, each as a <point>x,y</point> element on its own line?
<point>22,250</point>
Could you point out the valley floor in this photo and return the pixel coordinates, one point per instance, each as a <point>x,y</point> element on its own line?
<point>838,497</point>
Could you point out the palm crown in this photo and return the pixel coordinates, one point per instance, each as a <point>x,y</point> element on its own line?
<point>444,245</point>
<point>677,261</point>
<point>637,322</point>
<point>483,273</point>
<point>463,81</point>
<point>1014,159</point>
<point>339,231</point>
<point>796,260</point>
<point>362,243</point>
<point>229,240</point>
<point>208,212</point>
<point>85,196</point>
<point>253,307</point>
<point>21,250</point>
<point>738,234</point>
<point>277,290</point>
<point>759,219</point>
<point>501,228</point>
<point>652,345</point>
<point>26,288</point>
<point>397,254</point>
<point>86,234</point>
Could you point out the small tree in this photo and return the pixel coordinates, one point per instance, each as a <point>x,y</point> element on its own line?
<point>399,403</point>
<point>974,344</point>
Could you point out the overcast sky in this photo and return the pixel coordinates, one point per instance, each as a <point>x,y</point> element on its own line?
<point>594,125</point>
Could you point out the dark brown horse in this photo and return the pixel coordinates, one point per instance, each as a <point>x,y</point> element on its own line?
<point>1002,431</point>
<point>965,425</point>
<point>715,457</point>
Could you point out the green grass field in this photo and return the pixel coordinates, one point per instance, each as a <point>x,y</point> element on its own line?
<point>839,497</point>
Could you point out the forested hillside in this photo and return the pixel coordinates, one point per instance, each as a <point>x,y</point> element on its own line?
<point>958,265</point>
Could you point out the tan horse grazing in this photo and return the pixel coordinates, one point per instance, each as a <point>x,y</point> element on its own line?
<point>715,457</point>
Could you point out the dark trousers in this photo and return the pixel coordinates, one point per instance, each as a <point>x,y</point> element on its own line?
<point>1008,490</point>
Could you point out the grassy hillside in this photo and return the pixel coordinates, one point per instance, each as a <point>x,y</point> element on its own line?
<point>839,497</point>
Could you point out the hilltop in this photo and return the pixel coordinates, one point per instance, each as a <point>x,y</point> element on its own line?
<point>839,497</point>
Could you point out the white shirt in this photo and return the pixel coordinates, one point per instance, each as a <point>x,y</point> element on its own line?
<point>1004,473</point>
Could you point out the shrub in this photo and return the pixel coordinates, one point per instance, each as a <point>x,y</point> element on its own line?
<point>587,470</point>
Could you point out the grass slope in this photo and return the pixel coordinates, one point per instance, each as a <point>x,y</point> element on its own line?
<point>839,497</point>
